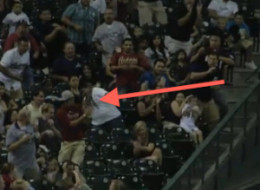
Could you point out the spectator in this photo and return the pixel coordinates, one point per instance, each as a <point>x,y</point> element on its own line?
<point>143,149</point>
<point>181,26</point>
<point>67,65</point>
<point>128,66</point>
<point>241,35</point>
<point>222,8</point>
<point>190,113</point>
<point>179,71</point>
<point>99,5</point>
<point>34,108</point>
<point>157,50</point>
<point>103,116</point>
<point>71,120</point>
<point>22,31</point>
<point>154,76</point>
<point>151,8</point>
<point>20,143</point>
<point>53,172</point>
<point>109,35</point>
<point>51,33</point>
<point>10,103</point>
<point>74,88</point>
<point>13,65</point>
<point>10,118</point>
<point>8,175</point>
<point>49,135</point>
<point>81,20</point>
<point>17,15</point>
<point>88,77</point>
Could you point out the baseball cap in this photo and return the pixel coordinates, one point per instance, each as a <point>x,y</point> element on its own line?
<point>66,95</point>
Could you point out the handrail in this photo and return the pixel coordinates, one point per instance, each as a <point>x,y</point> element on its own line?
<point>253,74</point>
<point>209,139</point>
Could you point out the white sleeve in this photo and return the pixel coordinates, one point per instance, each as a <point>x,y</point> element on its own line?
<point>6,59</point>
<point>213,5</point>
<point>96,36</point>
<point>98,93</point>
<point>235,8</point>
<point>125,32</point>
<point>6,20</point>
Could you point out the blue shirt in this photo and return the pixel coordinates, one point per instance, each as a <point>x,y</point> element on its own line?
<point>152,80</point>
<point>24,156</point>
<point>232,23</point>
<point>86,17</point>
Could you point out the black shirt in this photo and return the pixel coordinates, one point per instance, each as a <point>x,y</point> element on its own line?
<point>181,33</point>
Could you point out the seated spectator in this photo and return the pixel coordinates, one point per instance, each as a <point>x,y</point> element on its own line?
<point>154,76</point>
<point>22,31</point>
<point>21,184</point>
<point>12,18</point>
<point>13,64</point>
<point>190,113</point>
<point>109,35</point>
<point>103,116</point>
<point>10,103</point>
<point>149,9</point>
<point>181,26</point>
<point>241,35</point>
<point>171,111</point>
<point>74,88</point>
<point>71,119</point>
<point>49,134</point>
<point>20,143</point>
<point>34,107</point>
<point>157,50</point>
<point>8,175</point>
<point>53,172</point>
<point>88,77</point>
<point>128,67</point>
<point>51,33</point>
<point>11,118</point>
<point>222,8</point>
<point>68,65</point>
<point>72,178</point>
<point>143,149</point>
<point>179,72</point>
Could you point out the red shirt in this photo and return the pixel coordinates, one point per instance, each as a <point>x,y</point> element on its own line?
<point>11,41</point>
<point>66,114</point>
<point>129,77</point>
<point>8,181</point>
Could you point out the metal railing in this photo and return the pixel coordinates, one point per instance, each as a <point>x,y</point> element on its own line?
<point>208,155</point>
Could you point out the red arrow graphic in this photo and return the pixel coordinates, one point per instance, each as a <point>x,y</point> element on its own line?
<point>113,97</point>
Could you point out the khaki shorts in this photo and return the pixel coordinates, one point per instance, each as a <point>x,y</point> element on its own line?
<point>210,111</point>
<point>148,10</point>
<point>73,151</point>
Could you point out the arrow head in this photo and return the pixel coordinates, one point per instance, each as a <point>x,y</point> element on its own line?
<point>111,98</point>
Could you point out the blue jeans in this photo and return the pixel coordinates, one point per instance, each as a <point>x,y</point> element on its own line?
<point>28,79</point>
<point>221,102</point>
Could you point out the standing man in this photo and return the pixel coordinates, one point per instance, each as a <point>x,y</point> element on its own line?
<point>12,66</point>
<point>181,26</point>
<point>71,120</point>
<point>109,35</point>
<point>82,20</point>
<point>20,143</point>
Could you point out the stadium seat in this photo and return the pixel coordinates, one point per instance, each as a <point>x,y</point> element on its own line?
<point>155,134</point>
<point>92,152</point>
<point>120,135</point>
<point>99,136</point>
<point>175,134</point>
<point>133,182</point>
<point>94,168</point>
<point>111,151</point>
<point>99,182</point>
<point>121,167</point>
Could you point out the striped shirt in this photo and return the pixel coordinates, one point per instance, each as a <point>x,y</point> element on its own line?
<point>86,17</point>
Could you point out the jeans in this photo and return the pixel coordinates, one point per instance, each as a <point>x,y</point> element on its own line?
<point>109,125</point>
<point>28,78</point>
<point>221,102</point>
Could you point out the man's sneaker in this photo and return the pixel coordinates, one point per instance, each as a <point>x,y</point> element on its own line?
<point>251,65</point>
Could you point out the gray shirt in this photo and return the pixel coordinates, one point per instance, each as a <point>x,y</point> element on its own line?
<point>110,36</point>
<point>24,156</point>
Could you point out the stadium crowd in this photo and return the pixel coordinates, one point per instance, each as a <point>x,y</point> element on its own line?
<point>59,57</point>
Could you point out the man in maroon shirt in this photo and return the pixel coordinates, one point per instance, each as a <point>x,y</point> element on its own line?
<point>128,66</point>
<point>71,119</point>
<point>22,30</point>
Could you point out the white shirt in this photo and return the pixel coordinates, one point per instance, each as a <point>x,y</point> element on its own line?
<point>14,63</point>
<point>11,19</point>
<point>100,5</point>
<point>102,112</point>
<point>223,9</point>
